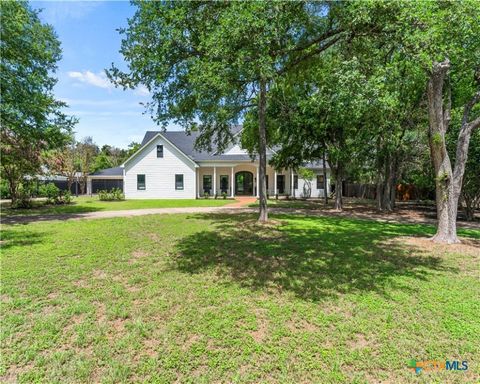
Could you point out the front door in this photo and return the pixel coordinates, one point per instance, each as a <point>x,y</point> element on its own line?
<point>281,184</point>
<point>244,183</point>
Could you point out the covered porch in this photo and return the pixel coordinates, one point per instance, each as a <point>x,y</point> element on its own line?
<point>241,179</point>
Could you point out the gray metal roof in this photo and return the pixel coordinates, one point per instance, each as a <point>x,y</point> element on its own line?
<point>117,171</point>
<point>186,143</point>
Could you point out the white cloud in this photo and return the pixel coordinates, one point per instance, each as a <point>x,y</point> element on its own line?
<point>96,103</point>
<point>142,90</point>
<point>63,11</point>
<point>96,79</point>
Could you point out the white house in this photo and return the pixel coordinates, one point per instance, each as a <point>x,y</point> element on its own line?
<point>167,166</point>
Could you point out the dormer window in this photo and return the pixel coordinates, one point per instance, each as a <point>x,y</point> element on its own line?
<point>159,150</point>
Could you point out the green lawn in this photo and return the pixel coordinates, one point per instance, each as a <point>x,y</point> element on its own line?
<point>92,204</point>
<point>298,203</point>
<point>218,298</point>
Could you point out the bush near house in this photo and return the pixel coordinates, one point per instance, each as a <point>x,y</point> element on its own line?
<point>54,195</point>
<point>115,194</point>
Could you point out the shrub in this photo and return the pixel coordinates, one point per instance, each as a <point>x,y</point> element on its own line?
<point>50,191</point>
<point>24,200</point>
<point>65,198</point>
<point>24,196</point>
<point>206,195</point>
<point>115,194</point>
<point>4,190</point>
<point>54,195</point>
<point>224,195</point>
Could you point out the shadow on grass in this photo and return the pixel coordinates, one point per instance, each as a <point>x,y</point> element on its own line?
<point>44,212</point>
<point>11,238</point>
<point>316,258</point>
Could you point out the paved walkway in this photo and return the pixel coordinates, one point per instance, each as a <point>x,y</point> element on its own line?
<point>241,203</point>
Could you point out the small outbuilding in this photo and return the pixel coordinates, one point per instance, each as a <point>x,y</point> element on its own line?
<point>105,179</point>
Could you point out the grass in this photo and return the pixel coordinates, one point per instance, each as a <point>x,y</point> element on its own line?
<point>218,298</point>
<point>92,204</point>
<point>297,203</point>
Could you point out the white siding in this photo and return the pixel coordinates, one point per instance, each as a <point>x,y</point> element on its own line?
<point>159,173</point>
<point>316,192</point>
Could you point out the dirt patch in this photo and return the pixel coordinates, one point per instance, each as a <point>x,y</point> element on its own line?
<point>72,322</point>
<point>48,310</point>
<point>118,325</point>
<point>132,288</point>
<point>190,341</point>
<point>153,236</point>
<point>52,296</point>
<point>470,247</point>
<point>5,299</point>
<point>150,347</point>
<point>81,283</point>
<point>11,376</point>
<point>99,274</point>
<point>359,342</point>
<point>139,254</point>
<point>101,313</point>
<point>261,332</point>
<point>301,325</point>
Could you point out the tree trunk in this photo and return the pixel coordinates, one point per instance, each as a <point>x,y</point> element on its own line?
<point>13,188</point>
<point>389,181</point>
<point>393,181</point>
<point>83,184</point>
<point>325,184</point>
<point>379,186</point>
<point>339,188</point>
<point>386,196</point>
<point>262,149</point>
<point>69,183</point>
<point>469,207</point>
<point>445,195</point>
<point>393,190</point>
<point>448,182</point>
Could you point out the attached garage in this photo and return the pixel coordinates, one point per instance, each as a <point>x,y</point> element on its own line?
<point>105,179</point>
<point>106,184</point>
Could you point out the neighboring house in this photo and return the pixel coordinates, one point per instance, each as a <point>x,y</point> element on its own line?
<point>167,166</point>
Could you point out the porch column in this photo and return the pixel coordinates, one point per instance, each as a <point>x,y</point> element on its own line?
<point>195,183</point>
<point>197,186</point>
<point>258,183</point>
<point>275,183</point>
<point>214,180</point>
<point>232,185</point>
<point>292,192</point>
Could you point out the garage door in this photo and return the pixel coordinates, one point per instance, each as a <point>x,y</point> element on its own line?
<point>106,184</point>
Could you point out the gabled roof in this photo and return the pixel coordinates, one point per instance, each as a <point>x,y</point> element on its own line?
<point>185,142</point>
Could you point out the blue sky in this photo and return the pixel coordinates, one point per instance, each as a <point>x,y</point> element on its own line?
<point>90,43</point>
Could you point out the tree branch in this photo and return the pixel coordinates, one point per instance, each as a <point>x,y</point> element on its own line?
<point>308,55</point>
<point>464,141</point>
<point>447,106</point>
<point>474,124</point>
<point>468,108</point>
